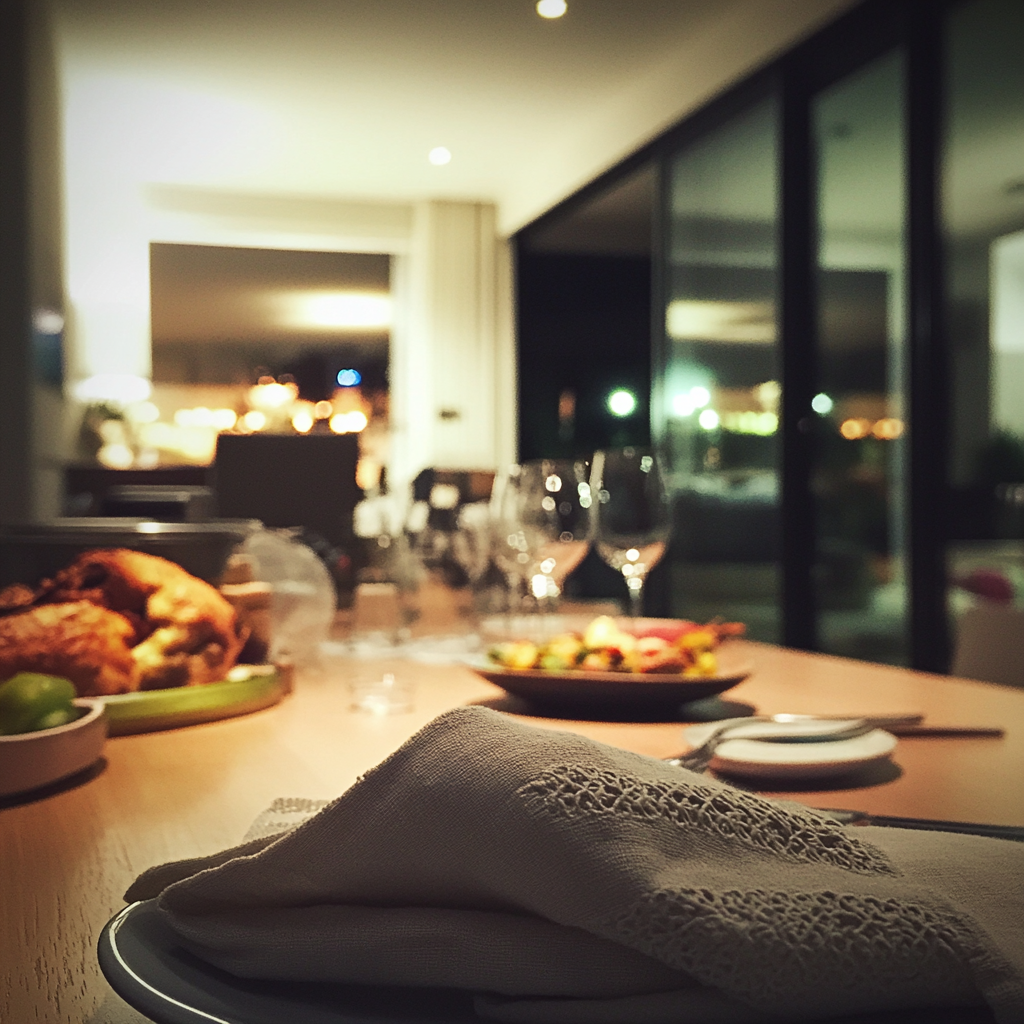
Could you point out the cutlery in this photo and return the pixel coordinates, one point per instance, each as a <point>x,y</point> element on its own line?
<point>1013,832</point>
<point>815,730</point>
<point>899,725</point>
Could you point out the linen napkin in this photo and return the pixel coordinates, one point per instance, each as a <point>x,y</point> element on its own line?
<point>572,881</point>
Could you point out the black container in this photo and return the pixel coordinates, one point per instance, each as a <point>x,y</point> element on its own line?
<point>32,552</point>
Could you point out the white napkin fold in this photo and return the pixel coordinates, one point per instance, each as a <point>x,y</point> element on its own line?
<point>577,882</point>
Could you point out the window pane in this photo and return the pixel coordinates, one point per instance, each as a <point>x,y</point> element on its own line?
<point>718,395</point>
<point>983,222</point>
<point>860,464</point>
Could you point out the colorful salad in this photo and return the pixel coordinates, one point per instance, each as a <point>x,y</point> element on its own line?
<point>687,648</point>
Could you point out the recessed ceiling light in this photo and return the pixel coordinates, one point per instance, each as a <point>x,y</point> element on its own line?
<point>551,8</point>
<point>439,155</point>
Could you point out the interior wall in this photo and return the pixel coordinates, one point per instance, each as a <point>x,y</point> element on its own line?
<point>451,400</point>
<point>30,263</point>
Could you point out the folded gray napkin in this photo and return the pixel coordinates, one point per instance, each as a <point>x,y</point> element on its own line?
<point>571,881</point>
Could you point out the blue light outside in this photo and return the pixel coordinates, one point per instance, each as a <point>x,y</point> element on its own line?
<point>349,378</point>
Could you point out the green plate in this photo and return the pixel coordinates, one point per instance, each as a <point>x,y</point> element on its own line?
<point>247,688</point>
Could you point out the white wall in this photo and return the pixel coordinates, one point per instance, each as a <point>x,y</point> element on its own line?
<point>452,348</point>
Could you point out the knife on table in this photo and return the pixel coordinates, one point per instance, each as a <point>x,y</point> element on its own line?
<point>1013,832</point>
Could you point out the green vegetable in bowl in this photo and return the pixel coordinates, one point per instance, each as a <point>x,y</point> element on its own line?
<point>31,701</point>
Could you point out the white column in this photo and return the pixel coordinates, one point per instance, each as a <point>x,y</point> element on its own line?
<point>452,360</point>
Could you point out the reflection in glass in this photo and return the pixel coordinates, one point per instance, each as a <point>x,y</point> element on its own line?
<point>983,225</point>
<point>718,406</point>
<point>860,463</point>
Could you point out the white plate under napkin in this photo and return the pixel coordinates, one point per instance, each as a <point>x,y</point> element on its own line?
<point>743,754</point>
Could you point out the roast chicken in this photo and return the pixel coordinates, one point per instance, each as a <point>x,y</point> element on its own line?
<point>115,621</point>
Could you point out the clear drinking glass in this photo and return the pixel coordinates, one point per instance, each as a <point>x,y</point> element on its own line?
<point>632,518</point>
<point>510,548</point>
<point>554,516</point>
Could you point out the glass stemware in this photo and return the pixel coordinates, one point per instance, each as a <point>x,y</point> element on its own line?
<point>554,514</point>
<point>632,516</point>
<point>510,549</point>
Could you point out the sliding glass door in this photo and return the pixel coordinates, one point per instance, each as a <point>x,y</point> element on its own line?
<point>859,411</point>
<point>718,395</point>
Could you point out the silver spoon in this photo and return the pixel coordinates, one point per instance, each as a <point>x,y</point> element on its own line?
<point>815,730</point>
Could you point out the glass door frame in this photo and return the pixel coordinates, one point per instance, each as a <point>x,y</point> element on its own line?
<point>852,41</point>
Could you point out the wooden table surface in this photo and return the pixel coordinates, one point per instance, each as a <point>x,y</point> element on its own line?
<point>66,858</point>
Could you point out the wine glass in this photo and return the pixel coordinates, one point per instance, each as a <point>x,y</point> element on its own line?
<point>632,516</point>
<point>509,545</point>
<point>554,514</point>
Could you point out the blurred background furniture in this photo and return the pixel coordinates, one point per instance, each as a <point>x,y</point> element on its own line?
<point>990,644</point>
<point>289,481</point>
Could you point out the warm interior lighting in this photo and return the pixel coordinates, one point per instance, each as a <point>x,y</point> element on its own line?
<point>349,422</point>
<point>113,387</point>
<point>269,397</point>
<point>439,156</point>
<point>115,456</point>
<point>887,429</point>
<point>335,310</point>
<point>760,424</point>
<point>254,420</point>
<point>705,320</point>
<point>323,410</point>
<point>551,8</point>
<point>303,421</point>
<point>855,429</point>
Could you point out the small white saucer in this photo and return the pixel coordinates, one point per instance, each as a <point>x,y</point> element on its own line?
<point>745,756</point>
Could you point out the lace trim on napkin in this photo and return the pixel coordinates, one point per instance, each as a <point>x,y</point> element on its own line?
<point>573,791</point>
<point>759,944</point>
<point>284,814</point>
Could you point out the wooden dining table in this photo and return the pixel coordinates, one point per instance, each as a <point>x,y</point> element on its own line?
<point>68,854</point>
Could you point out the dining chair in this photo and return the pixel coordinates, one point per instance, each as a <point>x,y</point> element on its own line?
<point>990,644</point>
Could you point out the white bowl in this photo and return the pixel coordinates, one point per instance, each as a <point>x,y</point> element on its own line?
<point>29,760</point>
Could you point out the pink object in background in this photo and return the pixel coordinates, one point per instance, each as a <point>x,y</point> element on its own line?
<point>987,583</point>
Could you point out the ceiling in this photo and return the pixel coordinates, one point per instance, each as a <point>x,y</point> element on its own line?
<point>345,98</point>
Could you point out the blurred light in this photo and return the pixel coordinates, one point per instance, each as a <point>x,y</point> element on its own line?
<point>853,429</point>
<point>761,424</point>
<point>621,402</point>
<point>47,321</point>
<point>349,378</point>
<point>143,412</point>
<point>115,456</point>
<point>348,422</point>
<point>323,410</point>
<point>768,395</point>
<point>551,8</point>
<point>113,387</point>
<point>272,396</point>
<point>712,320</point>
<point>334,310</point>
<point>254,420</point>
<point>887,429</point>
<point>367,478</point>
<point>699,397</point>
<point>822,404</point>
<point>439,156</point>
<point>553,483</point>
<point>303,421</point>
<point>223,419</point>
<point>709,419</point>
<point>682,405</point>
